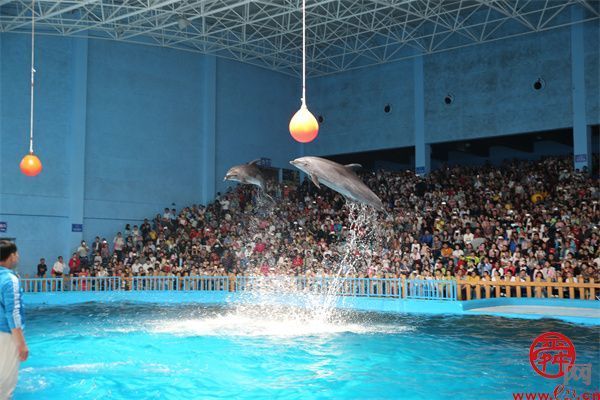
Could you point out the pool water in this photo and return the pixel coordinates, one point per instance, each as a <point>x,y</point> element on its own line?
<point>153,351</point>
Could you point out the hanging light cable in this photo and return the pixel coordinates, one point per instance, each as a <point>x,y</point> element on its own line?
<point>304,127</point>
<point>30,164</point>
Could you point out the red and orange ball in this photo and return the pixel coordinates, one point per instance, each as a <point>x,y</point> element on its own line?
<point>304,127</point>
<point>31,165</point>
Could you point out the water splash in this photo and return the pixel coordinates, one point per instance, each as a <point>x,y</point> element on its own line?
<point>297,304</point>
<point>356,254</point>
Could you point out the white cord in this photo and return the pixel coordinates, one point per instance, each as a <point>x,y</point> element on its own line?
<point>32,75</point>
<point>304,52</point>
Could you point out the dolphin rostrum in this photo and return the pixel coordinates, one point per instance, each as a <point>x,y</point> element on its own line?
<point>338,177</point>
<point>248,174</point>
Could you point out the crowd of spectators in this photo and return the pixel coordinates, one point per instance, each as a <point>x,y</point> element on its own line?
<point>523,219</point>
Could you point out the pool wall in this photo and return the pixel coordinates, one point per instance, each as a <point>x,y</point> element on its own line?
<point>355,303</point>
<point>209,297</point>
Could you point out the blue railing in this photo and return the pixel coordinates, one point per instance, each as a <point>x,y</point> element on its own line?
<point>186,283</point>
<point>430,289</point>
<point>97,284</point>
<point>355,287</point>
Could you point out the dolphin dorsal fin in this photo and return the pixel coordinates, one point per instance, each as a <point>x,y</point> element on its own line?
<point>353,166</point>
<point>315,180</point>
<point>254,161</point>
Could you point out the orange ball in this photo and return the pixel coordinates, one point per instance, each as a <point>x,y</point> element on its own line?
<point>304,126</point>
<point>31,165</point>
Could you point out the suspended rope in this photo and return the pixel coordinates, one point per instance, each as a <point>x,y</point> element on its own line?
<point>32,75</point>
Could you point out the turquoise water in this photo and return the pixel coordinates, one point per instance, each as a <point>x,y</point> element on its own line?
<point>141,351</point>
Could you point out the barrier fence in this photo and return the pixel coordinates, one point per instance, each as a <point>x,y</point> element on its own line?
<point>567,289</point>
<point>355,287</point>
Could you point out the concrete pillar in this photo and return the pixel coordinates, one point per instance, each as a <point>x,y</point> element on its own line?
<point>209,147</point>
<point>422,149</point>
<point>582,134</point>
<point>77,136</point>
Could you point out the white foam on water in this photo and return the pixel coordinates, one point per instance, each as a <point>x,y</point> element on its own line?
<point>159,368</point>
<point>292,324</point>
<point>35,384</point>
<point>86,367</point>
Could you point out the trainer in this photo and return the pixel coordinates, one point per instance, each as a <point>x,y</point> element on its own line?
<point>13,348</point>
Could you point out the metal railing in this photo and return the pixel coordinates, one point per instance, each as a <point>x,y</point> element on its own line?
<point>71,284</point>
<point>115,283</point>
<point>353,287</point>
<point>185,283</point>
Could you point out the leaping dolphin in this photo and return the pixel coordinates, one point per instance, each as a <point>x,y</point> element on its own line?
<point>340,178</point>
<point>248,174</point>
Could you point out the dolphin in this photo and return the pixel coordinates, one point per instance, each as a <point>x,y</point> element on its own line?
<point>248,174</point>
<point>340,178</point>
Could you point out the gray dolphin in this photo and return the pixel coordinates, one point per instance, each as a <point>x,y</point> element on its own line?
<point>248,174</point>
<point>340,178</point>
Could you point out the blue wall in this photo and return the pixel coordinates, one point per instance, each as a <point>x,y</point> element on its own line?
<point>124,131</point>
<point>144,133</point>
<point>254,107</point>
<point>352,105</point>
<point>36,209</point>
<point>491,84</point>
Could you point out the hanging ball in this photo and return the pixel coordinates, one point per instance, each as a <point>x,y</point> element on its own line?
<point>304,126</point>
<point>31,165</point>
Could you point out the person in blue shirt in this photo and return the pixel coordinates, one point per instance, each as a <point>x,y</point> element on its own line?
<point>13,348</point>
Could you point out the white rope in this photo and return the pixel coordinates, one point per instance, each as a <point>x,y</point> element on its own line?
<point>303,52</point>
<point>32,75</point>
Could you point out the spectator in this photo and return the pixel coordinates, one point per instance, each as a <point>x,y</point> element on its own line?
<point>42,268</point>
<point>82,252</point>
<point>74,265</point>
<point>58,268</point>
<point>118,245</point>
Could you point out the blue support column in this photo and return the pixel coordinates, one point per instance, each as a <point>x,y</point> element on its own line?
<point>1,115</point>
<point>582,135</point>
<point>422,149</point>
<point>209,151</point>
<point>77,144</point>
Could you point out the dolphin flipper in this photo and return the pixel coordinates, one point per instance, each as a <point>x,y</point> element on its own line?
<point>353,167</point>
<point>315,180</point>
